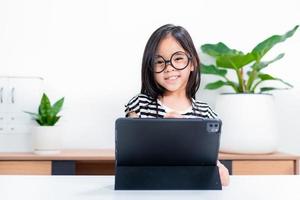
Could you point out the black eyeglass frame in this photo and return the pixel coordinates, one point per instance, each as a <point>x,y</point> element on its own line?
<point>170,61</point>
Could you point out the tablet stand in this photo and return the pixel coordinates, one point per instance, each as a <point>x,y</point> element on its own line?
<point>167,178</point>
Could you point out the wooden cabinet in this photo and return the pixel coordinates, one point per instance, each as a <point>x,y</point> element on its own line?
<point>262,164</point>
<point>68,162</point>
<point>25,167</point>
<point>102,162</point>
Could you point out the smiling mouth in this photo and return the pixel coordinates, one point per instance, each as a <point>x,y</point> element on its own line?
<point>172,77</point>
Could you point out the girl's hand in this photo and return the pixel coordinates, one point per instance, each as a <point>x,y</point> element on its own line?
<point>173,115</point>
<point>133,115</point>
<point>224,174</point>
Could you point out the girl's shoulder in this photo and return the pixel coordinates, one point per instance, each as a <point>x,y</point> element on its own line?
<point>138,103</point>
<point>140,98</point>
<point>200,103</point>
<point>204,108</point>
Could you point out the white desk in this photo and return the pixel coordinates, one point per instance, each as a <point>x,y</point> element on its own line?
<point>101,188</point>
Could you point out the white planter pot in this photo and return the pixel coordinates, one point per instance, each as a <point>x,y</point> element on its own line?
<point>249,123</point>
<point>46,139</point>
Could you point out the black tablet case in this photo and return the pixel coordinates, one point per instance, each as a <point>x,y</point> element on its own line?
<point>167,154</point>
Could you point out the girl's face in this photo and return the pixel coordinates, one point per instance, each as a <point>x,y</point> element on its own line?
<point>173,80</point>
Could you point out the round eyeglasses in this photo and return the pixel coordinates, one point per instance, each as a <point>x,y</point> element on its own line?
<point>179,60</point>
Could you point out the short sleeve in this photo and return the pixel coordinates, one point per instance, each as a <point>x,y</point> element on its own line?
<point>211,113</point>
<point>205,110</point>
<point>133,106</point>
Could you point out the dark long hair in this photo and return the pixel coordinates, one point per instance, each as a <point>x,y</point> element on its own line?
<point>149,86</point>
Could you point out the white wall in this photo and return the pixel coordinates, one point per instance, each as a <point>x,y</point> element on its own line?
<point>91,51</point>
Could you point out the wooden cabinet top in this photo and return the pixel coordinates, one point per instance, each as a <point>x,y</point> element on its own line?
<point>82,154</point>
<point>272,156</point>
<point>109,155</point>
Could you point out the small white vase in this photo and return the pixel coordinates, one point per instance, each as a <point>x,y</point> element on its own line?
<point>249,123</point>
<point>46,139</point>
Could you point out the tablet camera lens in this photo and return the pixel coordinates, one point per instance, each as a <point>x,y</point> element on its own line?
<point>212,127</point>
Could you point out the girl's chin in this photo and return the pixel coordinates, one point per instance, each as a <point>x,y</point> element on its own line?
<point>172,89</point>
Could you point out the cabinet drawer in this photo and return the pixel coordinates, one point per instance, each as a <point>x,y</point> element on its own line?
<point>25,168</point>
<point>264,167</point>
<point>95,167</point>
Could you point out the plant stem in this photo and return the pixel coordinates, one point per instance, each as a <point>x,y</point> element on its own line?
<point>252,76</point>
<point>240,79</point>
<point>243,80</point>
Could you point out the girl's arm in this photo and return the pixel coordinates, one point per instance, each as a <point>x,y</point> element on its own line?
<point>224,174</point>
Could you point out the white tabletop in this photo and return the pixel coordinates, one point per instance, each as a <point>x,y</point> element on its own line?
<point>101,188</point>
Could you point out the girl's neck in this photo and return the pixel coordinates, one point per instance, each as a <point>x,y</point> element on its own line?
<point>176,101</point>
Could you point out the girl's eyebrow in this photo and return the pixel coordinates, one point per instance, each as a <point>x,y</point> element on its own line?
<point>163,56</point>
<point>158,55</point>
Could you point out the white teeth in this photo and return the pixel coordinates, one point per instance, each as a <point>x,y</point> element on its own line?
<point>172,78</point>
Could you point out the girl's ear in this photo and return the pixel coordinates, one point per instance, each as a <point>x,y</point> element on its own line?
<point>192,68</point>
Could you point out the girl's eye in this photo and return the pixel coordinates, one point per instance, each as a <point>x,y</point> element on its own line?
<point>159,62</point>
<point>178,59</point>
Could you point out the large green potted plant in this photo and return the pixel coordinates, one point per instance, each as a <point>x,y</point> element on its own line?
<point>46,135</point>
<point>248,111</point>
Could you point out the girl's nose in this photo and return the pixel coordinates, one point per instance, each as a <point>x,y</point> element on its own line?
<point>169,67</point>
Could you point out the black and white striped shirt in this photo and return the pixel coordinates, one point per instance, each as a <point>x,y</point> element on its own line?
<point>147,107</point>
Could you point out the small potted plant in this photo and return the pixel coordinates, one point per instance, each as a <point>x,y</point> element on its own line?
<point>248,111</point>
<point>46,135</point>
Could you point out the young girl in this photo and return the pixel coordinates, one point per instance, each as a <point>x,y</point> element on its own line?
<point>170,80</point>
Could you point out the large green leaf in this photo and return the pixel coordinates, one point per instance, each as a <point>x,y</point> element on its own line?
<point>256,67</point>
<point>40,122</point>
<point>215,85</point>
<point>267,77</point>
<point>219,49</point>
<point>262,65</point>
<point>57,106</point>
<point>55,119</point>
<point>45,105</point>
<point>218,84</point>
<point>34,115</point>
<point>212,69</point>
<point>265,89</point>
<point>262,48</point>
<point>234,62</point>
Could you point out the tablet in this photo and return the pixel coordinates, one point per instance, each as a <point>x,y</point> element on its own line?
<point>166,144</point>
